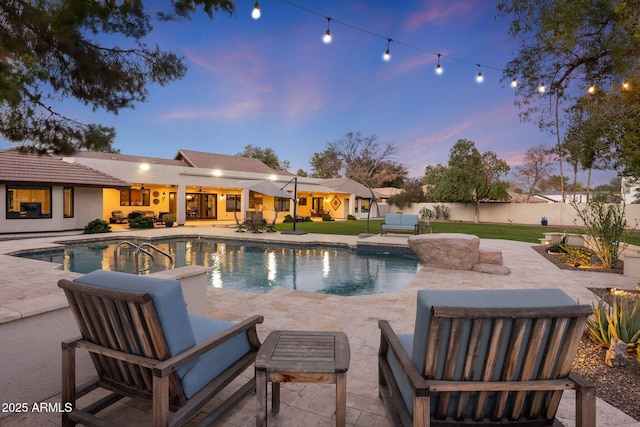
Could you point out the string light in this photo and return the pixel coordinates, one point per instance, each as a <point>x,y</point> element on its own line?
<point>387,53</point>
<point>255,14</point>
<point>592,89</point>
<point>327,36</point>
<point>438,67</point>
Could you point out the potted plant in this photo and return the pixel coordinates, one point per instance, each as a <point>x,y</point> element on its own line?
<point>169,219</point>
<point>544,220</point>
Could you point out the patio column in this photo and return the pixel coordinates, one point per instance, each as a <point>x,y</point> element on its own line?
<point>244,205</point>
<point>181,205</point>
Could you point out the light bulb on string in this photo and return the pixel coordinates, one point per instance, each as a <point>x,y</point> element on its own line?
<point>514,83</point>
<point>591,89</point>
<point>387,53</point>
<point>626,86</point>
<point>439,69</point>
<point>542,88</point>
<point>327,35</point>
<point>479,76</point>
<point>255,14</point>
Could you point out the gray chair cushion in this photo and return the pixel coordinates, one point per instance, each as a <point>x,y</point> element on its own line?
<point>494,298</point>
<point>167,300</point>
<point>215,361</point>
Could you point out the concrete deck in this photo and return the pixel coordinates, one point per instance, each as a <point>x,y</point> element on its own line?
<point>28,288</point>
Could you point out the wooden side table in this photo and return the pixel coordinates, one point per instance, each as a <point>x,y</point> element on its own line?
<point>424,227</point>
<point>303,357</point>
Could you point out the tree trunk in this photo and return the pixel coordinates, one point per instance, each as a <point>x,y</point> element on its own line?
<point>588,183</point>
<point>559,141</point>
<point>476,212</point>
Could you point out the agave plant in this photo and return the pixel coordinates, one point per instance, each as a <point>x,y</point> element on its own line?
<point>618,320</point>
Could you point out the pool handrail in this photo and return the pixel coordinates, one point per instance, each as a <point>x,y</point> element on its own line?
<point>141,248</point>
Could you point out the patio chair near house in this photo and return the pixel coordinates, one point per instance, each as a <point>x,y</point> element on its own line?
<point>242,225</point>
<point>118,217</point>
<point>271,227</point>
<point>144,345</point>
<point>486,357</point>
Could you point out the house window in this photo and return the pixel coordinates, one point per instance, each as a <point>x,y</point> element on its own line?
<point>365,204</point>
<point>68,202</point>
<point>133,197</point>
<point>281,203</point>
<point>28,202</point>
<point>234,202</point>
<point>255,201</point>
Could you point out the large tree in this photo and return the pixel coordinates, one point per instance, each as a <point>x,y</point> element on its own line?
<point>585,141</point>
<point>469,177</point>
<point>569,45</point>
<point>359,156</point>
<point>266,156</point>
<point>536,166</point>
<point>90,50</point>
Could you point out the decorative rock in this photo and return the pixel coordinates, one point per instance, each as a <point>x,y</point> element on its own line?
<point>497,269</point>
<point>451,251</point>
<point>616,355</point>
<point>490,257</point>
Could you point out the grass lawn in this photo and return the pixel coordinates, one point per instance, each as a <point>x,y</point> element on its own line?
<point>521,233</point>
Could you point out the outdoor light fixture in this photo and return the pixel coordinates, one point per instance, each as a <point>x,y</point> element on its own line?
<point>542,88</point>
<point>387,53</point>
<point>479,77</point>
<point>327,35</point>
<point>514,83</point>
<point>438,67</point>
<point>626,85</point>
<point>255,14</point>
<point>591,90</point>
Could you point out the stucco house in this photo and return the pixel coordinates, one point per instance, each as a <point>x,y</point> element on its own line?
<point>193,185</point>
<point>45,193</point>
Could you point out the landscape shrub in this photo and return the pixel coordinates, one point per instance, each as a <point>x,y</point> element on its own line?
<point>426,213</point>
<point>441,211</point>
<point>141,222</point>
<point>575,255</point>
<point>618,320</point>
<point>606,225</point>
<point>97,226</point>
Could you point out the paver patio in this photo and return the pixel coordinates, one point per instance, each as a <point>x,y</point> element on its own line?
<point>28,287</point>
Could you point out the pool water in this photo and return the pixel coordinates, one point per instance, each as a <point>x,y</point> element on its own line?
<point>254,267</point>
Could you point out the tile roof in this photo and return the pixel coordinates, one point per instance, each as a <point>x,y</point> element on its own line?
<point>199,159</point>
<point>129,158</point>
<point>16,167</point>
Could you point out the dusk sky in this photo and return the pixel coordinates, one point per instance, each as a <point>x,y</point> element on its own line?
<point>273,83</point>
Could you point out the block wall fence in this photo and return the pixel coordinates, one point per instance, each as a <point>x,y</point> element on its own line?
<point>558,214</point>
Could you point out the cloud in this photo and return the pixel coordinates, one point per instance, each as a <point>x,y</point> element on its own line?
<point>240,80</point>
<point>428,145</point>
<point>239,67</point>
<point>236,111</point>
<point>439,12</point>
<point>400,68</point>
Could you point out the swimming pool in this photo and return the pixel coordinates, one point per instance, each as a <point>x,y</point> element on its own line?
<point>254,267</point>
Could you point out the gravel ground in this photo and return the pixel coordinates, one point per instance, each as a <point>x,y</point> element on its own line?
<point>617,386</point>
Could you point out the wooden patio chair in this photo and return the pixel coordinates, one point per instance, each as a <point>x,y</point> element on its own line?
<point>485,357</point>
<point>145,345</point>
